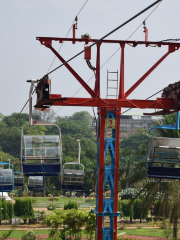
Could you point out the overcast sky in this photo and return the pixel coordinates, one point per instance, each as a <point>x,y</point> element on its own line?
<point>22,57</point>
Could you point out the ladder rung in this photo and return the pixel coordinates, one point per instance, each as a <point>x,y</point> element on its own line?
<point>112,88</point>
<point>112,95</point>
<point>112,72</point>
<point>112,80</point>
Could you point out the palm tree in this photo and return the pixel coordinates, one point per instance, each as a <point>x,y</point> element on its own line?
<point>127,162</point>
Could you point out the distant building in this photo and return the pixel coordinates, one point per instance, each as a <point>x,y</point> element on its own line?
<point>128,122</point>
<point>134,121</point>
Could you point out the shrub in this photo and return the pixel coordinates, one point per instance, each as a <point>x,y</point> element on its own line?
<point>51,207</point>
<point>71,205</point>
<point>23,208</point>
<point>67,194</point>
<point>92,194</point>
<point>30,235</point>
<point>149,219</point>
<point>53,199</point>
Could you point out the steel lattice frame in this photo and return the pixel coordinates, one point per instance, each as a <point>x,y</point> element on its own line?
<point>166,104</point>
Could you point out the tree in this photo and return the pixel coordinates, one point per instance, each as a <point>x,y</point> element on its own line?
<point>91,225</point>
<point>1,116</point>
<point>46,116</point>
<point>127,162</point>
<point>23,208</point>
<point>127,209</point>
<point>138,210</point>
<point>82,116</point>
<point>21,120</point>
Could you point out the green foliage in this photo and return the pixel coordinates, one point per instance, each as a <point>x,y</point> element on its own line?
<point>70,205</point>
<point>138,209</point>
<point>23,208</point>
<point>7,211</point>
<point>127,208</point>
<point>30,235</point>
<point>22,119</point>
<point>149,219</point>
<point>10,210</point>
<point>73,218</point>
<point>53,199</point>
<point>133,141</point>
<point>159,209</point>
<point>120,208</point>
<point>128,193</point>
<point>90,226</point>
<point>51,207</point>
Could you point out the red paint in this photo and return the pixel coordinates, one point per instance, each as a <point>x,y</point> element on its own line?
<point>146,34</point>
<point>87,53</point>
<point>121,85</point>
<point>165,104</point>
<point>74,33</point>
<point>97,82</point>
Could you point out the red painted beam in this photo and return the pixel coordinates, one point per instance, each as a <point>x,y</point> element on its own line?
<point>159,103</point>
<point>80,80</point>
<point>97,82</point>
<point>121,85</point>
<point>135,43</point>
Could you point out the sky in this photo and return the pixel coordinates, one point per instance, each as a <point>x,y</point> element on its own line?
<point>22,57</point>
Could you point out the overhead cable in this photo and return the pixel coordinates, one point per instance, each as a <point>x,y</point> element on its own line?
<point>135,16</point>
<point>112,54</point>
<point>114,30</point>
<point>66,36</point>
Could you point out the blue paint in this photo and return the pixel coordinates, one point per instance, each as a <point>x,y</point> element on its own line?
<point>109,177</point>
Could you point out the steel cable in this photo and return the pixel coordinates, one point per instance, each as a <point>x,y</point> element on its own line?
<point>135,16</point>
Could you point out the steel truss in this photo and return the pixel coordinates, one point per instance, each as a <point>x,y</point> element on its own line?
<point>105,207</point>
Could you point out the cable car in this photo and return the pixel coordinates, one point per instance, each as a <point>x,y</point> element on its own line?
<point>18,179</point>
<point>6,177</point>
<point>41,155</point>
<point>35,183</point>
<point>163,154</point>
<point>72,179</point>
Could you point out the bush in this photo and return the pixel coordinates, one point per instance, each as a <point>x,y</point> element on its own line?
<point>71,205</point>
<point>29,236</point>
<point>67,194</point>
<point>53,199</point>
<point>33,220</point>
<point>149,219</point>
<point>92,194</point>
<point>23,208</point>
<point>51,207</point>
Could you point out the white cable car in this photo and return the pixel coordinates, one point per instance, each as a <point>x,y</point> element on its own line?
<point>41,155</point>
<point>72,179</point>
<point>6,177</point>
<point>35,183</point>
<point>163,154</point>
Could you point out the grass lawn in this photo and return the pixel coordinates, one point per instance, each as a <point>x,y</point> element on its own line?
<point>137,232</point>
<point>144,232</point>
<point>19,233</point>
